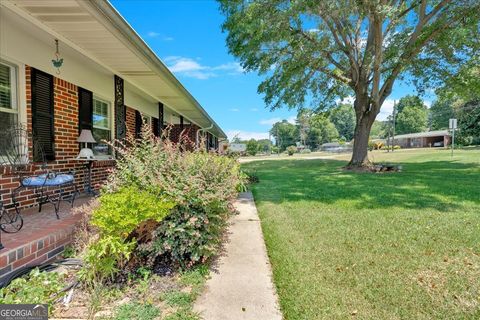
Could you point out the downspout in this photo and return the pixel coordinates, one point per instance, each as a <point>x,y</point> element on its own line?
<point>198,133</point>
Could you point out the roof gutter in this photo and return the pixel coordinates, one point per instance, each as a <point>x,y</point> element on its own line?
<point>197,137</point>
<point>132,39</point>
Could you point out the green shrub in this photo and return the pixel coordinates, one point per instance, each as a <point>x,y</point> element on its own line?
<point>203,185</point>
<point>305,151</point>
<point>291,150</point>
<point>119,213</point>
<point>375,145</point>
<point>122,211</point>
<point>396,147</point>
<point>37,287</point>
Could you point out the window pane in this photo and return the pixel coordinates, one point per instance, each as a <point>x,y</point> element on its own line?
<point>5,87</point>
<point>7,120</point>
<point>100,115</point>
<point>100,148</point>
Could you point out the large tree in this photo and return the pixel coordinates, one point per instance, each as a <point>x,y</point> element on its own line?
<point>440,113</point>
<point>285,134</point>
<point>317,51</point>
<point>322,130</point>
<point>411,119</point>
<point>343,117</point>
<point>411,115</point>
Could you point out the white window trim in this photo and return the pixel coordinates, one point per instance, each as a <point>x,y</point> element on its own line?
<point>110,123</point>
<point>13,90</point>
<point>20,91</point>
<point>147,118</point>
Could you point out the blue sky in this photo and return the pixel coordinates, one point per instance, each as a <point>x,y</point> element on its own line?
<point>187,36</point>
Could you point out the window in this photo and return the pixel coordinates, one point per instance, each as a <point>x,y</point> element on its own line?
<point>101,127</point>
<point>8,96</point>
<point>147,119</point>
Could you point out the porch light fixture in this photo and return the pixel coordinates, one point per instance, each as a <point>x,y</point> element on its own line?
<point>86,137</point>
<point>57,62</point>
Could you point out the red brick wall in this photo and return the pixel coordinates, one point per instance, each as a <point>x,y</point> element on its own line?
<point>187,134</point>
<point>66,145</point>
<point>130,123</point>
<point>35,252</point>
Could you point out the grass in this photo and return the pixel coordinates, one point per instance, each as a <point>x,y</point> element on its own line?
<point>137,311</point>
<point>374,246</point>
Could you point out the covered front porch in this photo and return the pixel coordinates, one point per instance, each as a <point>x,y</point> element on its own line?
<point>42,238</point>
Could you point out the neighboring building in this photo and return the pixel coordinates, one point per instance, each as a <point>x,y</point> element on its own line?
<point>335,147</point>
<point>237,147</point>
<point>109,80</point>
<point>439,138</point>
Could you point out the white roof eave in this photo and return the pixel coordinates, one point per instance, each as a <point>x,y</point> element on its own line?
<point>104,11</point>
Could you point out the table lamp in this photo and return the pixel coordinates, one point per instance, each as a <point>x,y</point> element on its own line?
<point>86,137</point>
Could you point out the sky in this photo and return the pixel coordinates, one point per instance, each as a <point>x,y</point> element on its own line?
<point>186,35</point>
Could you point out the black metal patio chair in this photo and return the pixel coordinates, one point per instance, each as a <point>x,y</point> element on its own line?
<point>48,186</point>
<point>10,221</point>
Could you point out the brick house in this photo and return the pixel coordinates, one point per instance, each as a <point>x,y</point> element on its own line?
<point>437,138</point>
<point>109,81</point>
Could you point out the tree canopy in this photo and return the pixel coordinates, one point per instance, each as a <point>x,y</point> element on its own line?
<point>316,51</point>
<point>412,119</point>
<point>343,117</point>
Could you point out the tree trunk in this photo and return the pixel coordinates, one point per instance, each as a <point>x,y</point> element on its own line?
<point>360,143</point>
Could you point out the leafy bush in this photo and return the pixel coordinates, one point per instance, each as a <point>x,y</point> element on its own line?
<point>291,150</point>
<point>119,213</point>
<point>396,147</point>
<point>252,147</point>
<point>37,287</point>
<point>375,145</point>
<point>202,184</point>
<point>305,151</point>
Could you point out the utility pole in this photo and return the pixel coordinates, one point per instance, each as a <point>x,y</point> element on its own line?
<point>452,124</point>
<point>393,133</point>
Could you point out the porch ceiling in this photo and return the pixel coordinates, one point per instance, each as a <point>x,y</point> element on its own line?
<point>97,30</point>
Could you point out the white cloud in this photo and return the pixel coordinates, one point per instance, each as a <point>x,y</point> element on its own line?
<point>313,30</point>
<point>385,110</point>
<point>234,109</point>
<point>233,67</point>
<point>194,69</point>
<point>246,135</point>
<point>153,34</point>
<point>254,109</point>
<point>272,121</point>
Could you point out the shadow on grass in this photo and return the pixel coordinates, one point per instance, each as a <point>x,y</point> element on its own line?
<point>442,185</point>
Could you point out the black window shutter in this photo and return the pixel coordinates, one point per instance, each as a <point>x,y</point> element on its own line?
<point>43,114</point>
<point>85,109</point>
<point>138,124</point>
<point>156,127</point>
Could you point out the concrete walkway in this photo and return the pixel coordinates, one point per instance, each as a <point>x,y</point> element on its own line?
<point>242,287</point>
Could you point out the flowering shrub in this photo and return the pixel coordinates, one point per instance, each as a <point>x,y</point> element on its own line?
<point>291,150</point>
<point>201,184</point>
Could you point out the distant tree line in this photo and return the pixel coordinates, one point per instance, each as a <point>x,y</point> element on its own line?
<point>312,129</point>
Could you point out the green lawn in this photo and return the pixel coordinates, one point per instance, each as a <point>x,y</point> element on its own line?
<point>374,246</point>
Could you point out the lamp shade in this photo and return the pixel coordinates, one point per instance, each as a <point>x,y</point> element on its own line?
<point>86,136</point>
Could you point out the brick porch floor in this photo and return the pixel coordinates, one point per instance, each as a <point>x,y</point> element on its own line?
<point>42,237</point>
